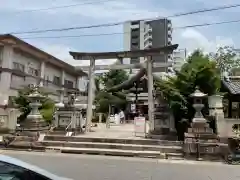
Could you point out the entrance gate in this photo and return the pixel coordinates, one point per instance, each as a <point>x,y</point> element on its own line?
<point>148,64</point>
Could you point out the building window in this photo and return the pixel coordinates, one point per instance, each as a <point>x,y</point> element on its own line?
<point>68,84</point>
<point>18,66</point>
<point>134,43</point>
<point>135,22</point>
<point>32,71</point>
<point>1,53</point>
<point>135,37</point>
<point>136,30</point>
<point>46,80</point>
<point>56,80</point>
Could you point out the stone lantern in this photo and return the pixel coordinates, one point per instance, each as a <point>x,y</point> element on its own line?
<point>34,121</point>
<point>198,105</point>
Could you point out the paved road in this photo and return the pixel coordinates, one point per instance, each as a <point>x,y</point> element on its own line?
<point>84,167</point>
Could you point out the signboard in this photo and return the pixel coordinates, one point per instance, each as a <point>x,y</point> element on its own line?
<point>64,121</point>
<point>140,126</point>
<point>133,108</point>
<point>3,120</point>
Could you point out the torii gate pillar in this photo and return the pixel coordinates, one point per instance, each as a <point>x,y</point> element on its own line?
<point>150,93</point>
<point>91,93</point>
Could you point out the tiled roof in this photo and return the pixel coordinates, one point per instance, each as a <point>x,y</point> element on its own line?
<point>53,60</point>
<point>232,86</point>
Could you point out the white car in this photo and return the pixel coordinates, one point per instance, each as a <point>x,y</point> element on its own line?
<point>14,169</point>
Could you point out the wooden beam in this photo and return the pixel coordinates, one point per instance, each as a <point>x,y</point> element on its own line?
<point>123,54</point>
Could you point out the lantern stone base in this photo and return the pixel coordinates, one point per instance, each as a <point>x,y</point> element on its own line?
<point>33,127</point>
<point>201,142</point>
<point>22,143</point>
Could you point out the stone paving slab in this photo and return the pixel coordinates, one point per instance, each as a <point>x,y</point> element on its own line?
<point>111,152</point>
<point>125,131</point>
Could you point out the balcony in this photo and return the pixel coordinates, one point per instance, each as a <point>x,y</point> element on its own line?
<point>52,88</point>
<point>148,38</point>
<point>30,80</point>
<point>147,44</point>
<point>149,30</point>
<point>169,25</point>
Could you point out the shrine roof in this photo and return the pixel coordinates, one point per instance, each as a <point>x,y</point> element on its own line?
<point>233,86</point>
<point>123,54</point>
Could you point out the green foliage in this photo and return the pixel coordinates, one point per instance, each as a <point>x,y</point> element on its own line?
<point>23,102</point>
<point>103,99</point>
<point>199,71</point>
<point>166,90</point>
<point>225,59</point>
<point>113,77</point>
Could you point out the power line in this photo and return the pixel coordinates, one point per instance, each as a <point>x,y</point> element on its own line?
<point>109,34</point>
<point>122,22</point>
<point>62,7</point>
<point>208,24</point>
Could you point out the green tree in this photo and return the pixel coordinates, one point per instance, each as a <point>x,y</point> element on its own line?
<point>23,102</point>
<point>225,58</point>
<point>199,71</point>
<point>103,99</point>
<point>113,77</point>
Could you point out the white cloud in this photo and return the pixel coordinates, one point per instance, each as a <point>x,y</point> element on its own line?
<point>114,11</point>
<point>194,39</point>
<point>62,52</point>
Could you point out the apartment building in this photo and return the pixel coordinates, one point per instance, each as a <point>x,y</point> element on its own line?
<point>148,34</point>
<point>179,58</point>
<point>22,64</point>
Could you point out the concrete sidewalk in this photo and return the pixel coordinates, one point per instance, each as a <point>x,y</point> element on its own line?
<point>125,131</point>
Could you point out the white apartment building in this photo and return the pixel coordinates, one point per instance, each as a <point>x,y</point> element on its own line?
<point>148,34</point>
<point>22,64</point>
<point>179,58</point>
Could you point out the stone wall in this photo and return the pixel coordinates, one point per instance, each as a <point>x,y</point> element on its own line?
<point>8,119</point>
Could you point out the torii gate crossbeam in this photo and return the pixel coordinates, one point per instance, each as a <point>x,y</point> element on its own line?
<point>120,55</point>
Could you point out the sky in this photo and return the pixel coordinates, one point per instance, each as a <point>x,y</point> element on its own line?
<point>17,16</point>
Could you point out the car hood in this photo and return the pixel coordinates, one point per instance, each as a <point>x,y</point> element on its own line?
<point>31,167</point>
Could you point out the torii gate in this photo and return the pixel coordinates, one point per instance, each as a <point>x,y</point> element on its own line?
<point>148,53</point>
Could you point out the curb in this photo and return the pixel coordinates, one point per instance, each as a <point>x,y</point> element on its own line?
<point>24,148</point>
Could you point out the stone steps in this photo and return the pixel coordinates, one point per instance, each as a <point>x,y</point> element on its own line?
<point>112,152</point>
<point>114,146</point>
<point>132,147</point>
<point>57,133</point>
<point>113,140</point>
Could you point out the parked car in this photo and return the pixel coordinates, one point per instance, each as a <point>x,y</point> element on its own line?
<point>14,169</point>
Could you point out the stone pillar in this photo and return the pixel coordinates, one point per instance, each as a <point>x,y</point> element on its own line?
<point>5,82</point>
<point>12,119</point>
<point>56,119</point>
<point>172,123</point>
<point>90,94</point>
<point>74,121</point>
<point>216,109</point>
<point>78,79</point>
<point>215,104</point>
<point>100,115</point>
<point>150,93</point>
<point>62,88</point>
<point>42,73</point>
